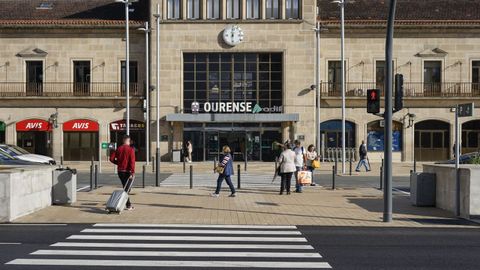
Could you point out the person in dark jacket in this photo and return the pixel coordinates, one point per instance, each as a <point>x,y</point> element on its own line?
<point>124,158</point>
<point>227,165</point>
<point>362,152</point>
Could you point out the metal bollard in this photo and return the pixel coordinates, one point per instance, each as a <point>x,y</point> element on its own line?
<point>414,164</point>
<point>153,163</point>
<point>336,163</point>
<point>184,165</point>
<point>144,168</point>
<point>191,177</point>
<point>157,167</point>
<point>350,165</point>
<point>334,171</point>
<point>246,161</point>
<point>381,176</point>
<point>96,176</point>
<point>91,177</point>
<point>239,186</point>
<point>61,160</point>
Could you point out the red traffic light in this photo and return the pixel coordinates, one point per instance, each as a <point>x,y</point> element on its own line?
<point>373,101</point>
<point>372,95</point>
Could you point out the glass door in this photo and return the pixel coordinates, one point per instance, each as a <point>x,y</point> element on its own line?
<point>212,148</point>
<point>81,78</point>
<point>34,78</point>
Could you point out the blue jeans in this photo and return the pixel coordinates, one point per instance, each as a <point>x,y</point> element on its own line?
<point>298,187</point>
<point>364,163</point>
<point>227,178</point>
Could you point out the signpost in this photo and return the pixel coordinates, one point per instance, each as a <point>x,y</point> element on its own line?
<point>461,110</point>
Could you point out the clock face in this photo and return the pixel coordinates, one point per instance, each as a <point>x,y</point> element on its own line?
<point>233,35</point>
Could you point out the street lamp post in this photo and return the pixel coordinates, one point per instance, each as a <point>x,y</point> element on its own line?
<point>127,60</point>
<point>157,153</point>
<point>342,3</point>
<point>147,30</point>
<point>317,30</point>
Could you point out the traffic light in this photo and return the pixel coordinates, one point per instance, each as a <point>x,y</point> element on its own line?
<point>373,101</point>
<point>398,92</point>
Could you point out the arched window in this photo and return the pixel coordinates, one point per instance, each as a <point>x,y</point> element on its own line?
<point>470,136</point>
<point>432,140</point>
<point>375,138</point>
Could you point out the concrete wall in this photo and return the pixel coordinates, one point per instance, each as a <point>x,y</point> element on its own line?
<point>24,191</point>
<point>446,188</point>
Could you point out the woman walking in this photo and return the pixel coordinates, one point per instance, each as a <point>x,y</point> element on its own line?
<point>225,171</point>
<point>312,160</point>
<point>287,168</point>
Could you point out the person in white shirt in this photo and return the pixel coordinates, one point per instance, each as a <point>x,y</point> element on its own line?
<point>287,168</point>
<point>299,163</point>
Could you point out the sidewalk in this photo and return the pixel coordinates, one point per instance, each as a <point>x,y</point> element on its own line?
<point>255,206</point>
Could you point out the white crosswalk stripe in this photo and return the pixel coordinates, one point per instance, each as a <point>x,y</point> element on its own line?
<point>180,245</point>
<point>210,180</point>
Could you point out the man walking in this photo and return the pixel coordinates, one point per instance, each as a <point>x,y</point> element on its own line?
<point>362,152</point>
<point>124,158</point>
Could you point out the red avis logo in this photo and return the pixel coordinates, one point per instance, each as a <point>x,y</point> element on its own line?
<point>34,125</point>
<point>81,125</point>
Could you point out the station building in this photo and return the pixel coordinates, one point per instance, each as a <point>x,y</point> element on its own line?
<point>236,72</point>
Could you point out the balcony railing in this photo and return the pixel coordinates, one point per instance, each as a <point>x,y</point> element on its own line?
<point>411,89</point>
<point>65,89</point>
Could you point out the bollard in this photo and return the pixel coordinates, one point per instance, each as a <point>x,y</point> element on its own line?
<point>91,177</point>
<point>238,176</point>
<point>350,165</point>
<point>246,161</point>
<point>381,175</point>
<point>61,160</point>
<point>96,176</point>
<point>144,168</point>
<point>414,164</point>
<point>184,165</point>
<point>336,163</point>
<point>157,167</point>
<point>153,163</point>
<point>191,177</point>
<point>334,171</point>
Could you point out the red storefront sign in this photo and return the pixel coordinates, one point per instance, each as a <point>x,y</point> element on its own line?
<point>122,125</point>
<point>80,125</point>
<point>33,125</point>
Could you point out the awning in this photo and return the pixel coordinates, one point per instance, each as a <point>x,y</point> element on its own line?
<point>233,117</point>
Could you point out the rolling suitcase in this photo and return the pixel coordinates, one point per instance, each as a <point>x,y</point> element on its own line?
<point>118,200</point>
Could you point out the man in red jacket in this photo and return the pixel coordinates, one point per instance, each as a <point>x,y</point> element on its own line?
<point>124,158</point>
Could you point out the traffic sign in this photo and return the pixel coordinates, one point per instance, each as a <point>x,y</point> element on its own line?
<point>105,145</point>
<point>465,110</point>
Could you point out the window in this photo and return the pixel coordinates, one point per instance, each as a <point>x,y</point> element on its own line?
<point>193,9</point>
<point>34,78</point>
<point>272,9</point>
<point>233,9</point>
<point>380,74</point>
<point>292,9</point>
<point>134,89</point>
<point>81,78</point>
<point>213,9</point>
<point>476,78</point>
<point>256,78</point>
<point>173,9</point>
<point>253,9</point>
<point>432,77</point>
<point>335,77</point>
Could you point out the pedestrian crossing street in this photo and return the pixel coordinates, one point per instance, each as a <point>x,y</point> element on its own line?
<point>168,246</point>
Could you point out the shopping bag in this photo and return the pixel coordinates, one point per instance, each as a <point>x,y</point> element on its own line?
<point>304,178</point>
<point>315,164</point>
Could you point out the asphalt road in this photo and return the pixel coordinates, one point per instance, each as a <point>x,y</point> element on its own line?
<point>339,247</point>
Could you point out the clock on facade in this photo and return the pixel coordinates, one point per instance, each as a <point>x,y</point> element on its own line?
<point>233,35</point>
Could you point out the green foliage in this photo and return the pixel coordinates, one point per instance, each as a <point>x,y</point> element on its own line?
<point>475,160</point>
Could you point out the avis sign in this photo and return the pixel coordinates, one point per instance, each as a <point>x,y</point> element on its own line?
<point>33,125</point>
<point>81,125</point>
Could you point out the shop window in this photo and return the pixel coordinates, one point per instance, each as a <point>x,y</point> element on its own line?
<point>375,139</point>
<point>173,9</point>
<point>292,9</point>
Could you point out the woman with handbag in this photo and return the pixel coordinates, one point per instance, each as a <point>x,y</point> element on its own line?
<point>225,171</point>
<point>312,160</point>
<point>287,168</point>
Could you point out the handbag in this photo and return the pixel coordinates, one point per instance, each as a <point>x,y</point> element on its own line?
<point>315,164</point>
<point>304,178</point>
<point>219,169</point>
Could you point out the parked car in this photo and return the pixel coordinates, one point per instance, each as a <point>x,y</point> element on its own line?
<point>464,159</point>
<point>6,159</point>
<point>22,154</point>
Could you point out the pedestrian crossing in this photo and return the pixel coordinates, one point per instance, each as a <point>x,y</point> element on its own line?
<point>210,180</point>
<point>168,246</point>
